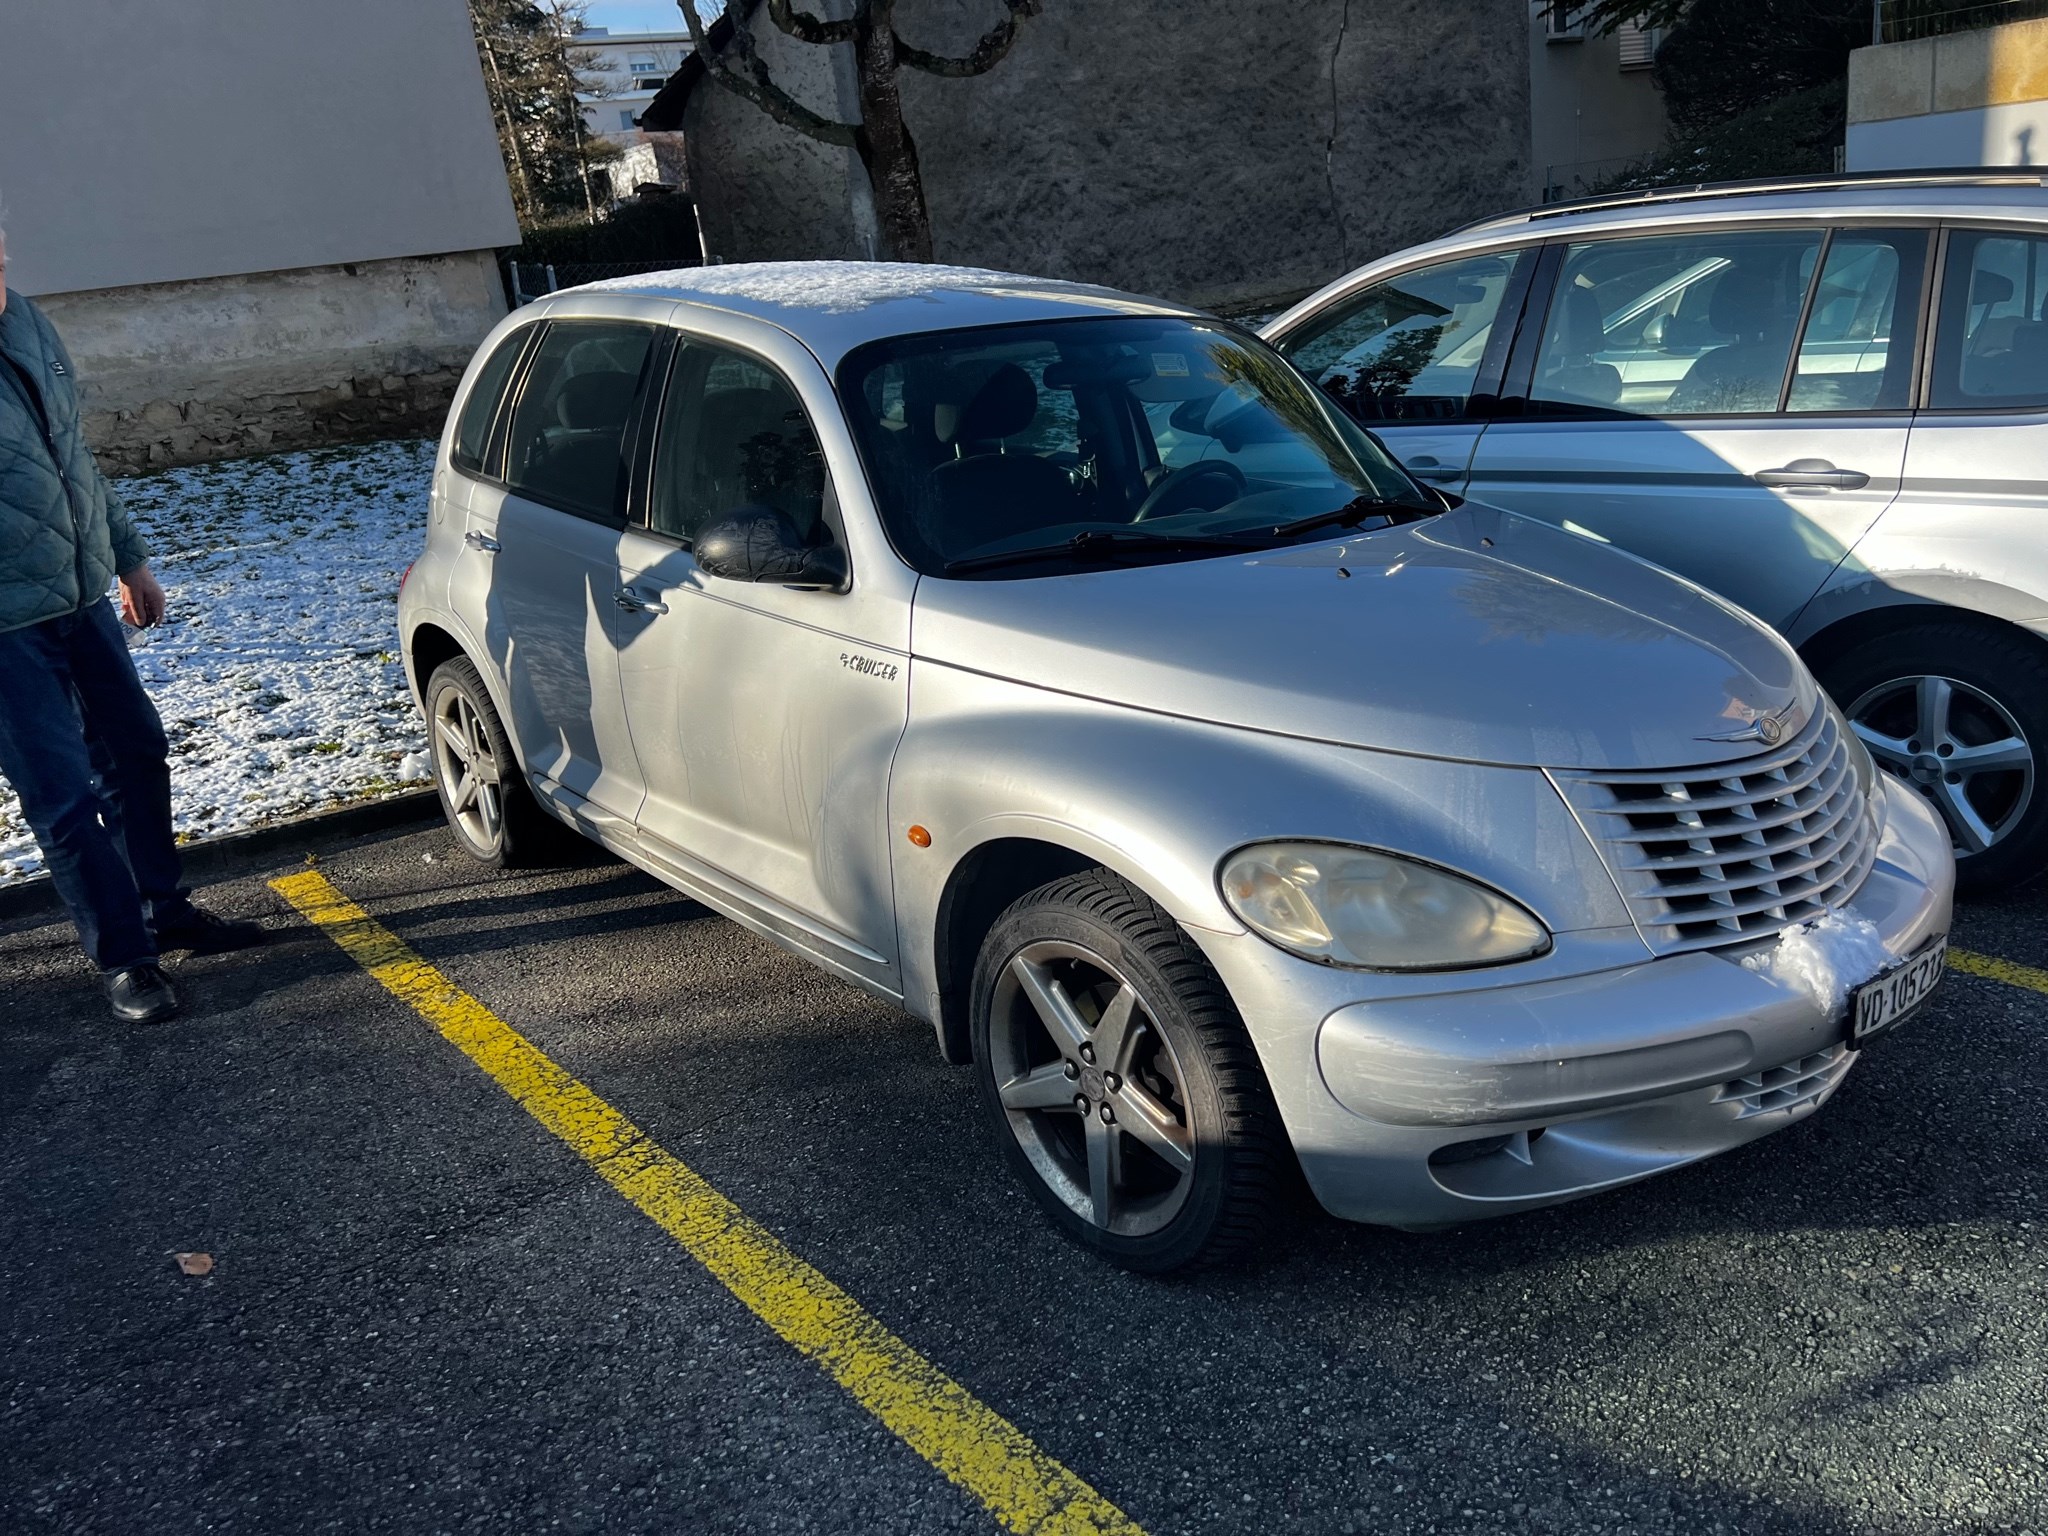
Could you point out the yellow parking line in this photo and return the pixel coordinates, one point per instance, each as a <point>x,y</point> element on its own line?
<point>2010,972</point>
<point>976,1447</point>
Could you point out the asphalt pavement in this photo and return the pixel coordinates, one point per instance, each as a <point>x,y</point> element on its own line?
<point>427,1313</point>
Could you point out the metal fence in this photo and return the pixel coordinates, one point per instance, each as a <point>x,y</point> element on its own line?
<point>526,281</point>
<point>1899,21</point>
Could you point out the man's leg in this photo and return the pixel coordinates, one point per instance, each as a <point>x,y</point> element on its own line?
<point>44,755</point>
<point>126,738</point>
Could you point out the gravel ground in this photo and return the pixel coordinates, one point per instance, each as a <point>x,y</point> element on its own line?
<point>427,1314</point>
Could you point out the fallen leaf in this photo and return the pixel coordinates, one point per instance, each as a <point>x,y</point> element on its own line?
<point>195,1263</point>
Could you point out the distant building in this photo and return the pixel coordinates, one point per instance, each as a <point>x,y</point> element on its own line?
<point>1593,109</point>
<point>1975,97</point>
<point>280,230</point>
<point>631,67</point>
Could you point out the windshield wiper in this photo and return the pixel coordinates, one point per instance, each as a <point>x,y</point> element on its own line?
<point>1102,541</point>
<point>1357,510</point>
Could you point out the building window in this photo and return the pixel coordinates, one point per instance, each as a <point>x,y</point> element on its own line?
<point>625,119</point>
<point>1638,44</point>
<point>650,83</point>
<point>644,64</point>
<point>1564,22</point>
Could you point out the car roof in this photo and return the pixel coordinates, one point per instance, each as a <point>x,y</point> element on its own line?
<point>834,306</point>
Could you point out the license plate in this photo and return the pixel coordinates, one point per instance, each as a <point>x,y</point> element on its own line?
<point>1880,1003</point>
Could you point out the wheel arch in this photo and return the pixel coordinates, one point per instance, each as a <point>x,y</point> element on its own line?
<point>1821,649</point>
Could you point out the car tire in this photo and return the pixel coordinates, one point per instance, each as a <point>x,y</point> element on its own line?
<point>484,793</point>
<point>1983,690</point>
<point>1189,1161</point>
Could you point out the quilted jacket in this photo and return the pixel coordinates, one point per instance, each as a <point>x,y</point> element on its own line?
<point>64,535</point>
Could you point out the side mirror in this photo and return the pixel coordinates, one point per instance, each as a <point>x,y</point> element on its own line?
<point>762,545</point>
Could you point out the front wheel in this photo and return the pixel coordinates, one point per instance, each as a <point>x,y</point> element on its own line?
<point>1960,713</point>
<point>1119,1078</point>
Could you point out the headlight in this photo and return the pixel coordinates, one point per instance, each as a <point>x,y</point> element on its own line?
<point>1352,906</point>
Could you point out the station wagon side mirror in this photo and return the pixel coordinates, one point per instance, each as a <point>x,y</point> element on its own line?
<point>763,545</point>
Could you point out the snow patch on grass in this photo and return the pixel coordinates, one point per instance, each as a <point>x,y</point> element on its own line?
<point>277,672</point>
<point>1825,958</point>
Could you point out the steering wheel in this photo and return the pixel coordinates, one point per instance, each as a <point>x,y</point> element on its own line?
<point>1176,488</point>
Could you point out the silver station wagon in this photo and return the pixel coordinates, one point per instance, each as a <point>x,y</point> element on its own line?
<point>1826,400</point>
<point>1064,667</point>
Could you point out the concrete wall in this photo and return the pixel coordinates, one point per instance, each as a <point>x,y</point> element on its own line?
<point>143,142</point>
<point>270,222</point>
<point>1588,117</point>
<point>173,373</point>
<point>1213,153</point>
<point>1970,98</point>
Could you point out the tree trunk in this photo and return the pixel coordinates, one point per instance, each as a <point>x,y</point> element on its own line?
<point>885,146</point>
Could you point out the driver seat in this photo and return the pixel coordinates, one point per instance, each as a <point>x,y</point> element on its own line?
<point>982,493</point>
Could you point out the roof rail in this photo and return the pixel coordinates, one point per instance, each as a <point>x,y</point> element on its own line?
<point>1841,181</point>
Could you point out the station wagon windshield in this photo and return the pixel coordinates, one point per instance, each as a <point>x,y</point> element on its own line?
<point>1023,450</point>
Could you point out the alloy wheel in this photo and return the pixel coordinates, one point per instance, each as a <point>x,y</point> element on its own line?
<point>1958,746</point>
<point>470,774</point>
<point>1091,1088</point>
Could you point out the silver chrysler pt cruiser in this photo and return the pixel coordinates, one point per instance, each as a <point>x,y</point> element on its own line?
<point>1062,666</point>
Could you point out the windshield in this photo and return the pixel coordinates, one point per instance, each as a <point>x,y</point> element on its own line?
<point>1154,437</point>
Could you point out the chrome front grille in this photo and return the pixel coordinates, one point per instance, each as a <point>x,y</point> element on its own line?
<point>1792,1086</point>
<point>1733,852</point>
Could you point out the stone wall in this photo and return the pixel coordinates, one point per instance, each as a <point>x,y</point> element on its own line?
<point>176,373</point>
<point>1217,154</point>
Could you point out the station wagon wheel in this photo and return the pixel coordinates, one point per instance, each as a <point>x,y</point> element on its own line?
<point>1960,713</point>
<point>1124,1090</point>
<point>483,792</point>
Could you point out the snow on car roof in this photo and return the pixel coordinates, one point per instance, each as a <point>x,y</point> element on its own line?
<point>844,303</point>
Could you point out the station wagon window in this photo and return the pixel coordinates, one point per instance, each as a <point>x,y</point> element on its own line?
<point>480,410</point>
<point>1991,342</point>
<point>1674,325</point>
<point>1856,353</point>
<point>566,444</point>
<point>733,438</point>
<point>1409,348</point>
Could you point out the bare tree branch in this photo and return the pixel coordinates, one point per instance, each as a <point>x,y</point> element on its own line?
<point>750,80</point>
<point>983,57</point>
<point>806,28</point>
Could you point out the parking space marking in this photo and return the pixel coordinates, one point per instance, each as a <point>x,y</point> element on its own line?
<point>2011,972</point>
<point>973,1445</point>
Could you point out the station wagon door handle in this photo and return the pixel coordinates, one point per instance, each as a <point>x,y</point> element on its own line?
<point>1423,467</point>
<point>633,602</point>
<point>1812,475</point>
<point>482,541</point>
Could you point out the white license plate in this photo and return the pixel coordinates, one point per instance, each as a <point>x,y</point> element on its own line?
<point>1889,996</point>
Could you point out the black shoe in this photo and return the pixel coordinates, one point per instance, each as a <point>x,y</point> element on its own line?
<point>199,931</point>
<point>140,994</point>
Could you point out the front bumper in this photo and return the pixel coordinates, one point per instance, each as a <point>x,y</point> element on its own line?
<point>1448,1099</point>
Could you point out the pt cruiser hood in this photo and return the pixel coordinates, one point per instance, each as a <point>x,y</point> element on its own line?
<point>1478,635</point>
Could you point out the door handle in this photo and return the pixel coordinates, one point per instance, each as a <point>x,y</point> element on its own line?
<point>1812,475</point>
<point>482,541</point>
<point>630,601</point>
<point>1424,467</point>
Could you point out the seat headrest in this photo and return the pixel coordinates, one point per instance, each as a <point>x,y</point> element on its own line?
<point>1990,288</point>
<point>1003,404</point>
<point>1579,332</point>
<point>596,400</point>
<point>1745,302</point>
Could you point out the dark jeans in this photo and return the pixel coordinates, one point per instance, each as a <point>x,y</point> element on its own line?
<point>84,749</point>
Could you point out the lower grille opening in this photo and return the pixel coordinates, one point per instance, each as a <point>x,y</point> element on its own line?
<point>1795,1085</point>
<point>1516,1146</point>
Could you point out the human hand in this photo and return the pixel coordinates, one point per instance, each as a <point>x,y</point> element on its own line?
<point>142,599</point>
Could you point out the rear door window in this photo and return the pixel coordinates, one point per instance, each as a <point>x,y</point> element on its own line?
<point>1409,348</point>
<point>1991,340</point>
<point>566,446</point>
<point>1681,324</point>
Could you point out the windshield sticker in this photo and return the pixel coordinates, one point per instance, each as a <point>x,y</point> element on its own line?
<point>1169,365</point>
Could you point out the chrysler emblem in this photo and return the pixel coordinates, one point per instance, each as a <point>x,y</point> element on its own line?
<point>1769,729</point>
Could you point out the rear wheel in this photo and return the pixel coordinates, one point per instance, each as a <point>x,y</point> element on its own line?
<point>483,792</point>
<point>1119,1078</point>
<point>1960,713</point>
